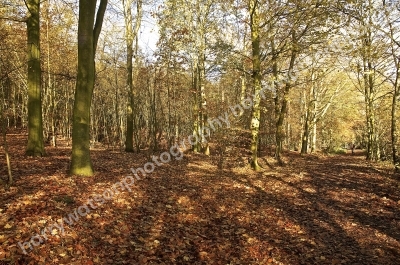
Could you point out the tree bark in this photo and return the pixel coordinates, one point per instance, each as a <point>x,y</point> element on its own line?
<point>35,145</point>
<point>130,35</point>
<point>396,97</point>
<point>394,132</point>
<point>196,110</point>
<point>88,35</point>
<point>256,61</point>
<point>5,145</point>
<point>369,87</point>
<point>281,109</point>
<point>203,101</point>
<point>306,133</point>
<point>314,132</point>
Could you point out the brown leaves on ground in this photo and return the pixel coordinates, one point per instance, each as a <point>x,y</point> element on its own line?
<point>315,210</point>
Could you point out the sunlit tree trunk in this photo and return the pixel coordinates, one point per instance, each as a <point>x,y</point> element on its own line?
<point>278,133</point>
<point>314,130</point>
<point>35,145</point>
<point>310,121</point>
<point>202,9</point>
<point>130,35</point>
<point>253,9</point>
<point>202,94</point>
<point>88,34</point>
<point>196,110</point>
<point>368,82</point>
<point>372,152</point>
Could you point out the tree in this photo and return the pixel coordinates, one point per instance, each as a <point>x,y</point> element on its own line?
<point>4,134</point>
<point>131,34</point>
<point>35,145</point>
<point>88,34</point>
<point>318,94</point>
<point>306,26</point>
<point>253,9</point>
<point>367,62</point>
<point>394,78</point>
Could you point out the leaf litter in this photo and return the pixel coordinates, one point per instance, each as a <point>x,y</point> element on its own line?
<point>315,210</point>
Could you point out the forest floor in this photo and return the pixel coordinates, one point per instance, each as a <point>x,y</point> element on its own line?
<point>318,209</point>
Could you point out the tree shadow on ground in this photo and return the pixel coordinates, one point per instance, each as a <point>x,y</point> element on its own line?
<point>330,210</point>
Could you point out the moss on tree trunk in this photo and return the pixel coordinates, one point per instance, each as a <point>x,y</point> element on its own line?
<point>87,42</point>
<point>35,145</point>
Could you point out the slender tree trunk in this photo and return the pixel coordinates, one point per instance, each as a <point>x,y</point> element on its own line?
<point>288,127</point>
<point>369,86</point>
<point>314,133</point>
<point>278,130</point>
<point>281,112</point>
<point>196,111</point>
<point>203,101</point>
<point>372,148</point>
<point>88,34</point>
<point>117,137</point>
<point>129,111</point>
<point>52,92</point>
<point>314,113</point>
<point>394,132</point>
<point>130,35</point>
<point>256,60</point>
<point>135,105</point>
<point>154,108</point>
<point>396,97</point>
<point>35,145</point>
<point>306,125</point>
<point>5,145</point>
<point>306,133</point>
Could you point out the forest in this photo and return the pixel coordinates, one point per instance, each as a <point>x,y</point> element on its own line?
<point>199,132</point>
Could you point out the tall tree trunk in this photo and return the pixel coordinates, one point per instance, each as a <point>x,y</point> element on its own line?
<point>5,145</point>
<point>88,35</point>
<point>314,113</point>
<point>203,101</point>
<point>35,145</point>
<point>396,97</point>
<point>117,136</point>
<point>154,111</point>
<point>281,109</point>
<point>130,35</point>
<point>135,107</point>
<point>306,126</point>
<point>196,110</point>
<point>256,60</point>
<point>369,86</point>
<point>278,133</point>
<point>394,132</point>
<point>372,148</point>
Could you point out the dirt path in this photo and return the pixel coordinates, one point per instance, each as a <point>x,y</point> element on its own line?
<point>316,210</point>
